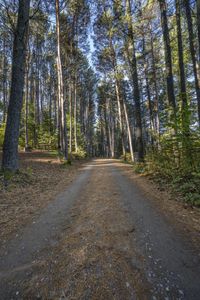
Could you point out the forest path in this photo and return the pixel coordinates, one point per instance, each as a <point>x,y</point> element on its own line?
<point>101,239</point>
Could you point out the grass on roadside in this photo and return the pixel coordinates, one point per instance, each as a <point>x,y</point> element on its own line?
<point>184,182</point>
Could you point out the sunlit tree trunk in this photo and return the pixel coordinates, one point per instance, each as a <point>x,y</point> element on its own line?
<point>62,113</point>
<point>50,103</point>
<point>120,116</point>
<point>134,74</point>
<point>70,116</point>
<point>129,132</point>
<point>75,115</point>
<point>27,103</point>
<point>111,128</point>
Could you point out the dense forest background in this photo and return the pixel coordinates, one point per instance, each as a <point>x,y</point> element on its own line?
<point>114,78</point>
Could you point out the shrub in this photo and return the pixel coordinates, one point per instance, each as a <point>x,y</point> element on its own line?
<point>80,154</point>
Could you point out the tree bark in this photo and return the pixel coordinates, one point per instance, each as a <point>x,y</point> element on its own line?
<point>183,92</point>
<point>157,119</point>
<point>26,105</point>
<point>118,96</point>
<point>70,116</point>
<point>168,57</point>
<point>37,84</point>
<point>136,91</point>
<point>62,114</point>
<point>120,116</point>
<point>10,147</point>
<point>75,115</point>
<point>129,132</point>
<point>4,82</point>
<point>192,52</point>
<point>151,116</point>
<point>198,25</point>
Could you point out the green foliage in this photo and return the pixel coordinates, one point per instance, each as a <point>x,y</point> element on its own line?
<point>81,140</point>
<point>80,154</point>
<point>188,186</point>
<point>46,138</point>
<point>10,179</point>
<point>8,175</point>
<point>39,136</point>
<point>29,171</point>
<point>1,106</point>
<point>193,198</point>
<point>66,163</point>
<point>140,168</point>
<point>2,132</point>
<point>176,162</point>
<point>126,158</point>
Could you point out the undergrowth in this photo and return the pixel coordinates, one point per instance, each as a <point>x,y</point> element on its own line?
<point>8,180</point>
<point>174,166</point>
<point>183,181</point>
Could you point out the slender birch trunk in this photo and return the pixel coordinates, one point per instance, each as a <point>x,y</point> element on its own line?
<point>129,132</point>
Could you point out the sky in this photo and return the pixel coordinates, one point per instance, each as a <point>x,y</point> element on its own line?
<point>92,49</point>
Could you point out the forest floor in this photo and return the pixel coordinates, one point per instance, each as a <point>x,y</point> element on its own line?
<point>42,176</point>
<point>111,234</point>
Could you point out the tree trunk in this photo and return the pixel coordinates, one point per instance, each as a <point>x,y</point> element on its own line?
<point>50,103</point>
<point>129,133</point>
<point>62,114</point>
<point>26,106</point>
<point>192,52</point>
<point>120,116</point>
<point>75,115</point>
<point>70,116</point>
<point>136,92</point>
<point>157,120</point>
<point>4,83</point>
<point>37,84</point>
<point>111,129</point>
<point>198,25</point>
<point>148,91</point>
<point>118,96</point>
<point>183,92</point>
<point>10,147</point>
<point>168,58</point>
<point>150,106</point>
<point>105,109</point>
<point>113,137</point>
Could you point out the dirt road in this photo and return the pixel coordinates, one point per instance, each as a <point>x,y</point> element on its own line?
<point>101,239</point>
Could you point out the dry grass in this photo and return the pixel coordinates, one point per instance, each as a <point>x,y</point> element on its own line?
<point>42,176</point>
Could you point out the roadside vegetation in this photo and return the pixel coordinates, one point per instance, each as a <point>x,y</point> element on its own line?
<point>173,168</point>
